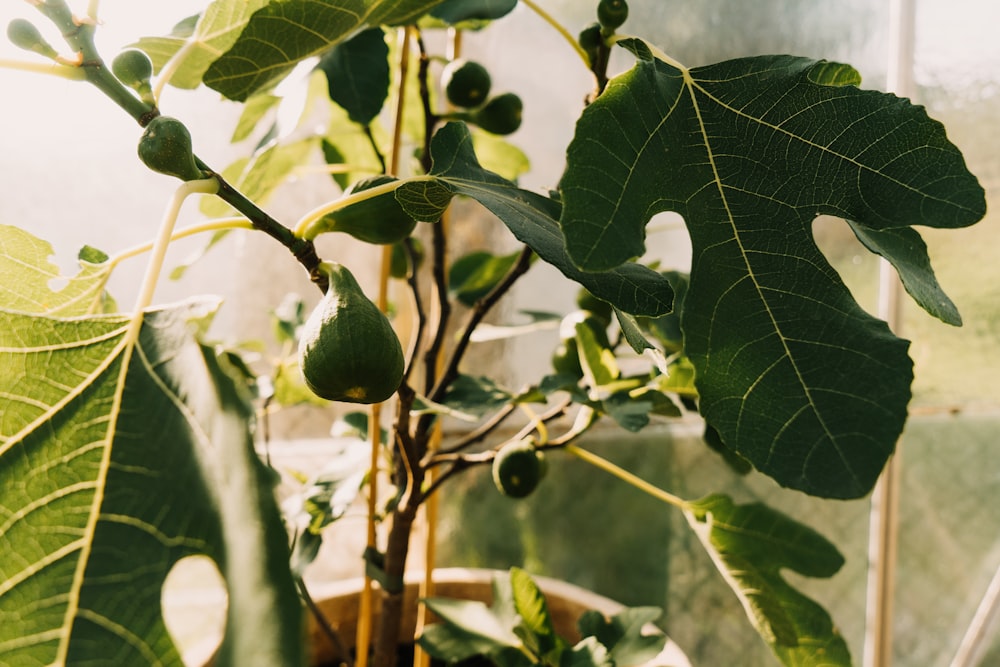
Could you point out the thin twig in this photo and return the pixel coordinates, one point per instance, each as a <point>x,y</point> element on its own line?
<point>343,654</point>
<point>481,309</point>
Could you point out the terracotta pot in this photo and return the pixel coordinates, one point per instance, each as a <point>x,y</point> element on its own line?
<point>339,603</point>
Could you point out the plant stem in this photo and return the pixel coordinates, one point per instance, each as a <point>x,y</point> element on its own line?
<point>53,69</point>
<point>626,476</point>
<point>204,186</point>
<point>545,16</point>
<point>200,228</point>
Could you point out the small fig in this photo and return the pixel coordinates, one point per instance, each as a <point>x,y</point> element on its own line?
<point>22,33</point>
<point>165,147</point>
<point>612,13</point>
<point>348,350</point>
<point>133,68</point>
<point>466,83</point>
<point>379,220</point>
<point>501,115</point>
<point>591,40</point>
<point>518,467</point>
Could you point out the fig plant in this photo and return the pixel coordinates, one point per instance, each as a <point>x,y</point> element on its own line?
<point>127,440</point>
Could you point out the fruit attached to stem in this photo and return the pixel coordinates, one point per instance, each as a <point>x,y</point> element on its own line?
<point>379,220</point>
<point>165,147</point>
<point>612,13</point>
<point>501,115</point>
<point>134,69</point>
<point>348,350</point>
<point>23,34</point>
<point>466,83</point>
<point>518,467</point>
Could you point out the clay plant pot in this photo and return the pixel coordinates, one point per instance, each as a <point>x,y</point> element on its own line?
<point>339,602</point>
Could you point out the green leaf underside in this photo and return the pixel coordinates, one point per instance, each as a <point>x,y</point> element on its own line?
<point>532,218</point>
<point>216,31</point>
<point>105,447</point>
<point>27,278</point>
<point>907,252</point>
<point>750,545</point>
<point>793,374</point>
<point>282,34</point>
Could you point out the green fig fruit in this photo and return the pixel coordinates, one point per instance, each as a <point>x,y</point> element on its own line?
<point>466,83</point>
<point>348,350</point>
<point>165,147</point>
<point>501,115</point>
<point>379,220</point>
<point>518,467</point>
<point>590,40</point>
<point>612,13</point>
<point>133,68</point>
<point>23,34</point>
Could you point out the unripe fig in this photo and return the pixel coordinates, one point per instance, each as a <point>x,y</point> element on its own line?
<point>466,83</point>
<point>590,40</point>
<point>501,115</point>
<point>399,262</point>
<point>133,68</point>
<point>518,468</point>
<point>348,350</point>
<point>612,13</point>
<point>22,33</point>
<point>165,147</point>
<point>379,220</point>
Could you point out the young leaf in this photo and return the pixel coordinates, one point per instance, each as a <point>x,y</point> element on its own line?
<point>132,446</point>
<point>282,34</point>
<point>588,653</point>
<point>532,219</point>
<point>751,544</point>
<point>795,376</point>
<point>629,634</point>
<point>468,628</point>
<point>537,630</point>
<point>357,73</point>
<point>474,275</point>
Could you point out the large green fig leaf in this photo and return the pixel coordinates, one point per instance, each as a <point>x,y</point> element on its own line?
<point>216,30</point>
<point>125,445</point>
<point>791,372</point>
<point>285,32</point>
<point>532,218</point>
<point>751,544</point>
